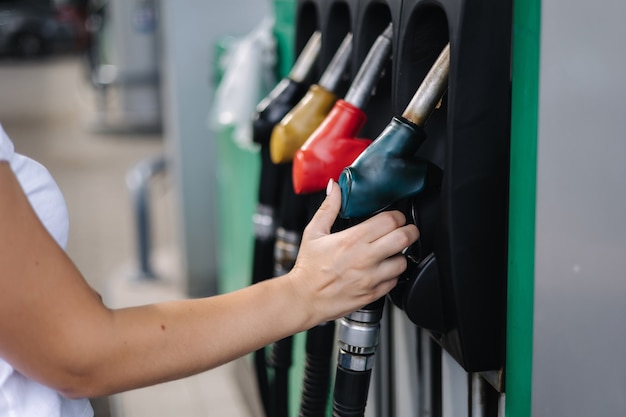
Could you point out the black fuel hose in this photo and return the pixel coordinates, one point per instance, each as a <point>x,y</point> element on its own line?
<point>317,369</point>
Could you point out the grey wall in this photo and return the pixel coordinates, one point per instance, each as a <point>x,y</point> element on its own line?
<point>579,367</point>
<point>190,30</point>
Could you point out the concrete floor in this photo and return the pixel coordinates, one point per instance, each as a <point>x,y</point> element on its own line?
<point>47,109</point>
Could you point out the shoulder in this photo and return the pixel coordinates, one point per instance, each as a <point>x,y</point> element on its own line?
<point>40,188</point>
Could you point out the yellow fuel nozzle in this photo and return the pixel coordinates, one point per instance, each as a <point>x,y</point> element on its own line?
<point>294,129</point>
<point>298,124</point>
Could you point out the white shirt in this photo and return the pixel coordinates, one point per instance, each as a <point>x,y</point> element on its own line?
<point>19,395</point>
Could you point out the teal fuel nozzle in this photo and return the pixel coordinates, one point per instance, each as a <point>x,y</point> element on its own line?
<point>387,171</point>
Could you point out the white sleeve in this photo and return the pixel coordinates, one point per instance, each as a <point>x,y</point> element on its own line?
<point>6,146</point>
<point>42,191</point>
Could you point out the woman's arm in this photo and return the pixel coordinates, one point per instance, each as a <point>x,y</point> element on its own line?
<point>55,329</point>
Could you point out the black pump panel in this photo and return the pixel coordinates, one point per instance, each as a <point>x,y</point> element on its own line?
<point>463,213</point>
<point>338,18</point>
<point>308,20</point>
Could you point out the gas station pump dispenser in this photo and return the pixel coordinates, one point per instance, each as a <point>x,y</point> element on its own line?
<point>512,303</point>
<point>442,333</point>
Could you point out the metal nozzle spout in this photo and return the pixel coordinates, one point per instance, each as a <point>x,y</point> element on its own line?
<point>337,66</point>
<point>430,92</point>
<point>307,58</point>
<point>371,70</point>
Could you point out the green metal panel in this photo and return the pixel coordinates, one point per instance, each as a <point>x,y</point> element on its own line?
<point>237,177</point>
<point>284,30</point>
<point>526,28</point>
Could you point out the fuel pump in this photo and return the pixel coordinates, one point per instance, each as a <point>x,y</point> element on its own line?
<point>373,173</point>
<point>297,125</point>
<point>333,145</point>
<point>269,112</point>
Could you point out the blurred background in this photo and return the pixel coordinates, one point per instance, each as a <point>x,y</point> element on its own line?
<point>115,98</point>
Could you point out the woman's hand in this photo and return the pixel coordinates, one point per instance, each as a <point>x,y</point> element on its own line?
<point>336,274</point>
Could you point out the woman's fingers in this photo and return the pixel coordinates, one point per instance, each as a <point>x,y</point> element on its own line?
<point>395,241</point>
<point>377,226</point>
<point>388,241</point>
<point>392,267</point>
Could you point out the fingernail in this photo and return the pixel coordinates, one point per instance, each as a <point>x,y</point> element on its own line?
<point>329,187</point>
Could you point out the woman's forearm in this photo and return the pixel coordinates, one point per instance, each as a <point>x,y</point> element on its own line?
<point>144,345</point>
<point>55,329</point>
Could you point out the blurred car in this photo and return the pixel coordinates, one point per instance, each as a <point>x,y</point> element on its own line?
<point>31,28</point>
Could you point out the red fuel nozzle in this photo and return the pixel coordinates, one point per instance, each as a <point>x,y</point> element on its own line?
<point>297,125</point>
<point>387,171</point>
<point>334,145</point>
<point>329,149</point>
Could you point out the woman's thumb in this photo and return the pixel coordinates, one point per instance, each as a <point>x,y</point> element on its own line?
<point>325,217</point>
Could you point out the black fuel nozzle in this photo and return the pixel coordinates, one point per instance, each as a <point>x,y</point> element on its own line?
<point>387,171</point>
<point>287,92</point>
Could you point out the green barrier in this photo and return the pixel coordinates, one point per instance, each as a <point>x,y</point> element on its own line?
<point>237,176</point>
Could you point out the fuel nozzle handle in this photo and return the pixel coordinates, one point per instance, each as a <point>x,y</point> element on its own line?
<point>371,70</point>
<point>387,171</point>
<point>430,92</point>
